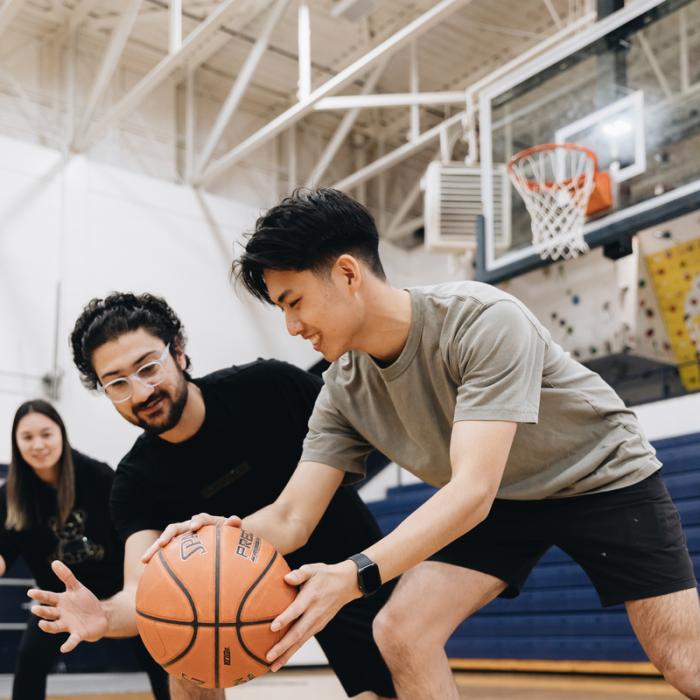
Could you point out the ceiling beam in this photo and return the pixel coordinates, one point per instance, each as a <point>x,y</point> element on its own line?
<point>394,43</point>
<point>194,41</point>
<point>241,84</point>
<point>413,79</point>
<point>406,99</point>
<point>175,26</point>
<point>109,64</point>
<point>397,155</point>
<point>342,131</point>
<point>304,41</point>
<point>553,14</point>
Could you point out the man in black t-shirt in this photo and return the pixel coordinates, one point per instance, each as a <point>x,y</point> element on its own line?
<point>224,443</point>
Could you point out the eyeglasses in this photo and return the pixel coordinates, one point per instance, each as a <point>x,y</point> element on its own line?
<point>151,374</point>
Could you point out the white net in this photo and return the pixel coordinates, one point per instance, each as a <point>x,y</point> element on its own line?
<point>555,182</point>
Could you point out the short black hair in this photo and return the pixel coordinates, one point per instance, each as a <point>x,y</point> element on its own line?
<point>308,230</point>
<point>103,320</point>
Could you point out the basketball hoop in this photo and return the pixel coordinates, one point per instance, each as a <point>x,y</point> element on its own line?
<point>556,181</point>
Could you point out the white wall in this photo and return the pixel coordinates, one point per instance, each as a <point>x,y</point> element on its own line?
<point>670,418</point>
<point>96,229</point>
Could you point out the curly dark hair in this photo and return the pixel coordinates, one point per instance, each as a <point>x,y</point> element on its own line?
<point>308,230</point>
<point>103,320</point>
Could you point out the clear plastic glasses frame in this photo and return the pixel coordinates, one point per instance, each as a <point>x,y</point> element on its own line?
<point>151,374</point>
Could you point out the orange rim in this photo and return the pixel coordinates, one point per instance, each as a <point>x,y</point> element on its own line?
<point>564,184</point>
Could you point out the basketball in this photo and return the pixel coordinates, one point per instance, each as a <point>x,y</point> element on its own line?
<point>205,603</point>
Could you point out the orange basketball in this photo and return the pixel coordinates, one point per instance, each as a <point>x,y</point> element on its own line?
<point>205,603</point>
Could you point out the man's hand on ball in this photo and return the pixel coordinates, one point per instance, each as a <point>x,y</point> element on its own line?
<point>76,611</point>
<point>192,525</point>
<point>324,590</point>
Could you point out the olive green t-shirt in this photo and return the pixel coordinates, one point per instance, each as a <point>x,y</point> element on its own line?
<point>474,352</point>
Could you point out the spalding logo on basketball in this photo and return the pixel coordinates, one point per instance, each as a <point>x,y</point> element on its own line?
<point>205,603</point>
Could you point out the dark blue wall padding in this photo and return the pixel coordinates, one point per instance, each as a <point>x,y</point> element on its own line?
<point>558,614</point>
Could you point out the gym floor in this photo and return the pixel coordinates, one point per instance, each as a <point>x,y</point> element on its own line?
<point>322,685</point>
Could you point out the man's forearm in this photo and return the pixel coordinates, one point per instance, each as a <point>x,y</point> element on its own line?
<point>277,525</point>
<point>120,611</point>
<point>448,514</point>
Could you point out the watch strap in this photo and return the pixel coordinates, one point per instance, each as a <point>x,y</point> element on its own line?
<point>368,578</point>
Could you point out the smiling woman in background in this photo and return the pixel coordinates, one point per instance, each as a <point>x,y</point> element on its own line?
<point>54,508</point>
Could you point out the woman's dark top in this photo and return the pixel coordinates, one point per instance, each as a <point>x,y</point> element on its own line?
<point>87,542</point>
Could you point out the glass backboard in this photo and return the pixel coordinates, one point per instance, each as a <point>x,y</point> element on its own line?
<point>628,88</point>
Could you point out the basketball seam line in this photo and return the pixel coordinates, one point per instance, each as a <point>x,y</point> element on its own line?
<point>195,623</point>
<point>240,608</point>
<point>216,607</point>
<point>189,623</point>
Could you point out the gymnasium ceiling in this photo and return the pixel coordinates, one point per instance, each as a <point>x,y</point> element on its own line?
<point>471,39</point>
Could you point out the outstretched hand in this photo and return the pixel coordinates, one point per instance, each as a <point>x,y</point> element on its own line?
<point>192,525</point>
<point>76,611</point>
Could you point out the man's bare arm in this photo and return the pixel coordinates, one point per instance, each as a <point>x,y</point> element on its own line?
<point>478,454</point>
<point>120,609</point>
<point>79,613</point>
<point>288,522</point>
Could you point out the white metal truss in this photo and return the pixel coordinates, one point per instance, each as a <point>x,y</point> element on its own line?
<point>240,84</point>
<point>109,64</point>
<point>553,13</point>
<point>414,84</point>
<point>342,131</point>
<point>398,155</point>
<point>175,42</point>
<point>193,43</point>
<point>304,38</point>
<point>439,12</point>
<point>395,133</point>
<point>407,99</point>
<point>467,117</point>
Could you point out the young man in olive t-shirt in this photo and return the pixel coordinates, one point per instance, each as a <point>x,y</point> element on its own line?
<point>460,384</point>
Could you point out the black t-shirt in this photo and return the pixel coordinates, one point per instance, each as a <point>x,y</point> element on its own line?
<point>87,543</point>
<point>238,462</point>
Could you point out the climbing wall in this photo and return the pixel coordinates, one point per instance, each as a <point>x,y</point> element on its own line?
<point>595,307</point>
<point>675,275</point>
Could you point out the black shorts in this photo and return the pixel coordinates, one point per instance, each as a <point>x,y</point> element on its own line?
<point>628,541</point>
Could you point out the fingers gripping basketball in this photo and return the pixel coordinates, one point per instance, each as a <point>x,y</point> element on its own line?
<point>205,604</point>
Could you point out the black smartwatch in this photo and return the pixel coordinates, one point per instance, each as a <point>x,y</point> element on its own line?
<point>368,579</point>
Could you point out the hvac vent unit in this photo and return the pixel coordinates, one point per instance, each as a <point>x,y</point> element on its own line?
<point>453,201</point>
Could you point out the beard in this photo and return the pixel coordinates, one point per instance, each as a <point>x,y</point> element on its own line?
<point>170,412</point>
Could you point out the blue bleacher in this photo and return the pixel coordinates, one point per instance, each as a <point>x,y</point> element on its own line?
<point>558,614</point>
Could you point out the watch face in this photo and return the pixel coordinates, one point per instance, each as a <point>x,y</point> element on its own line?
<point>368,579</point>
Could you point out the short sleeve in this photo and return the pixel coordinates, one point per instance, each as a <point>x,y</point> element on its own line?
<point>333,441</point>
<point>499,359</point>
